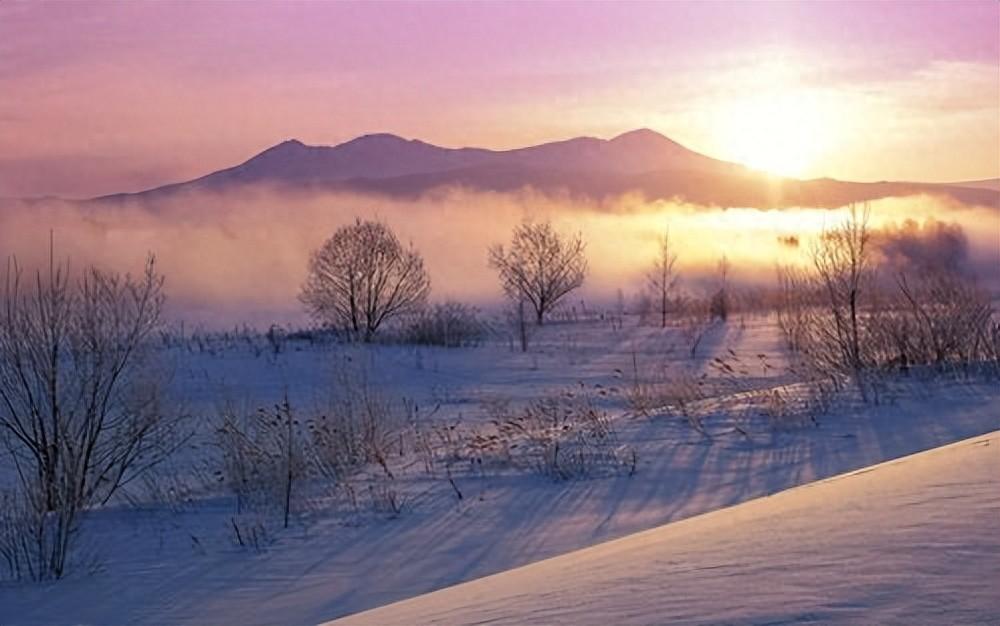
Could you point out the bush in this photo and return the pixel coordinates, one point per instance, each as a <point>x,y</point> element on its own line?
<point>718,307</point>
<point>563,436</point>
<point>20,545</point>
<point>359,426</point>
<point>262,458</point>
<point>846,323</point>
<point>274,463</point>
<point>942,318</point>
<point>89,416</point>
<point>448,324</point>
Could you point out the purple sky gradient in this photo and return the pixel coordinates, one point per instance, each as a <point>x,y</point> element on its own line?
<point>104,97</point>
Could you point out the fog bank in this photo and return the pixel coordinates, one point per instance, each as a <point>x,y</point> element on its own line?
<point>240,257</point>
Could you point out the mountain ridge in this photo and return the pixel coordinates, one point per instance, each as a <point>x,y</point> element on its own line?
<point>638,161</point>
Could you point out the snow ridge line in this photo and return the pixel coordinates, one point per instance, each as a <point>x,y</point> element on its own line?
<point>985,439</point>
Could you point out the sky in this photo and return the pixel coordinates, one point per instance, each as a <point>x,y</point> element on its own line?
<point>106,97</point>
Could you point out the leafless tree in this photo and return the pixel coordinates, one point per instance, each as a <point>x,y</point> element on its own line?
<point>662,277</point>
<point>540,266</point>
<point>842,260</point>
<point>516,319</point>
<point>82,408</point>
<point>362,276</point>
<point>792,305</point>
<point>719,305</point>
<point>947,319</point>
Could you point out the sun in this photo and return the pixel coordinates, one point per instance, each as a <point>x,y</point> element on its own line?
<point>782,131</point>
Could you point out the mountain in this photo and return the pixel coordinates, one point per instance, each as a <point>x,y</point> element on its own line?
<point>989,183</point>
<point>640,161</point>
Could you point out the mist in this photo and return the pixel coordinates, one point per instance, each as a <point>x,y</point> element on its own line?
<point>240,257</point>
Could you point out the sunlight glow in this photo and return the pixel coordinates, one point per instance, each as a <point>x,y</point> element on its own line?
<point>783,127</point>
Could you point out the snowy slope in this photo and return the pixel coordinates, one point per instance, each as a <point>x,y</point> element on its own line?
<point>912,541</point>
<point>179,567</point>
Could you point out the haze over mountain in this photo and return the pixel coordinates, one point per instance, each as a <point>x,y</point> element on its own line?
<point>989,183</point>
<point>640,161</point>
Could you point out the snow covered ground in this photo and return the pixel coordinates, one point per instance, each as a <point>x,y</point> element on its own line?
<point>593,351</point>
<point>176,562</point>
<point>912,541</point>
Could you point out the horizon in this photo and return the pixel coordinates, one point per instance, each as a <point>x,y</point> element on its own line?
<point>141,95</point>
<point>298,140</point>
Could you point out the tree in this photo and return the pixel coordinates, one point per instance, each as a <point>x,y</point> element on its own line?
<point>948,317</point>
<point>719,305</point>
<point>793,300</point>
<point>361,277</point>
<point>540,267</point>
<point>662,278</point>
<point>81,402</point>
<point>842,261</point>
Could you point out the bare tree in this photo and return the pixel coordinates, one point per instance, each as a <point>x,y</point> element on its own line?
<point>948,318</point>
<point>662,277</point>
<point>719,305</point>
<point>516,319</point>
<point>540,267</point>
<point>792,304</point>
<point>81,403</point>
<point>362,276</point>
<point>842,262</point>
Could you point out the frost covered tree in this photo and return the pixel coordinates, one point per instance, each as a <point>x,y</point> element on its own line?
<point>361,277</point>
<point>662,277</point>
<point>842,260</point>
<point>719,303</point>
<point>81,401</point>
<point>540,266</point>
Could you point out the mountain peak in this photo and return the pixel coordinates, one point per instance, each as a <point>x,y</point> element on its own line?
<point>639,135</point>
<point>640,160</point>
<point>285,147</point>
<point>379,139</point>
<point>367,159</point>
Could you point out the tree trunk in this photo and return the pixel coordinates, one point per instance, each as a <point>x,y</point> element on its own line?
<point>288,461</point>
<point>523,326</point>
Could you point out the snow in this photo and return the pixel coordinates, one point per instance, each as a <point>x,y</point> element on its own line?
<point>912,541</point>
<point>177,564</point>
<point>589,352</point>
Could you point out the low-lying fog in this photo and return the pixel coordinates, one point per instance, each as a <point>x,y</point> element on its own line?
<point>240,257</point>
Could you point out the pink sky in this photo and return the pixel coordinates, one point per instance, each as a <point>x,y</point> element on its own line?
<point>104,97</point>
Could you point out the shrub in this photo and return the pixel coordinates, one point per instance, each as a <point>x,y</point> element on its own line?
<point>82,409</point>
<point>561,436</point>
<point>359,426</point>
<point>21,547</point>
<point>262,458</point>
<point>448,324</point>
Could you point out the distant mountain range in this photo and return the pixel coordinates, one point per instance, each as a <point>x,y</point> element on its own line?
<point>640,161</point>
<point>990,183</point>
